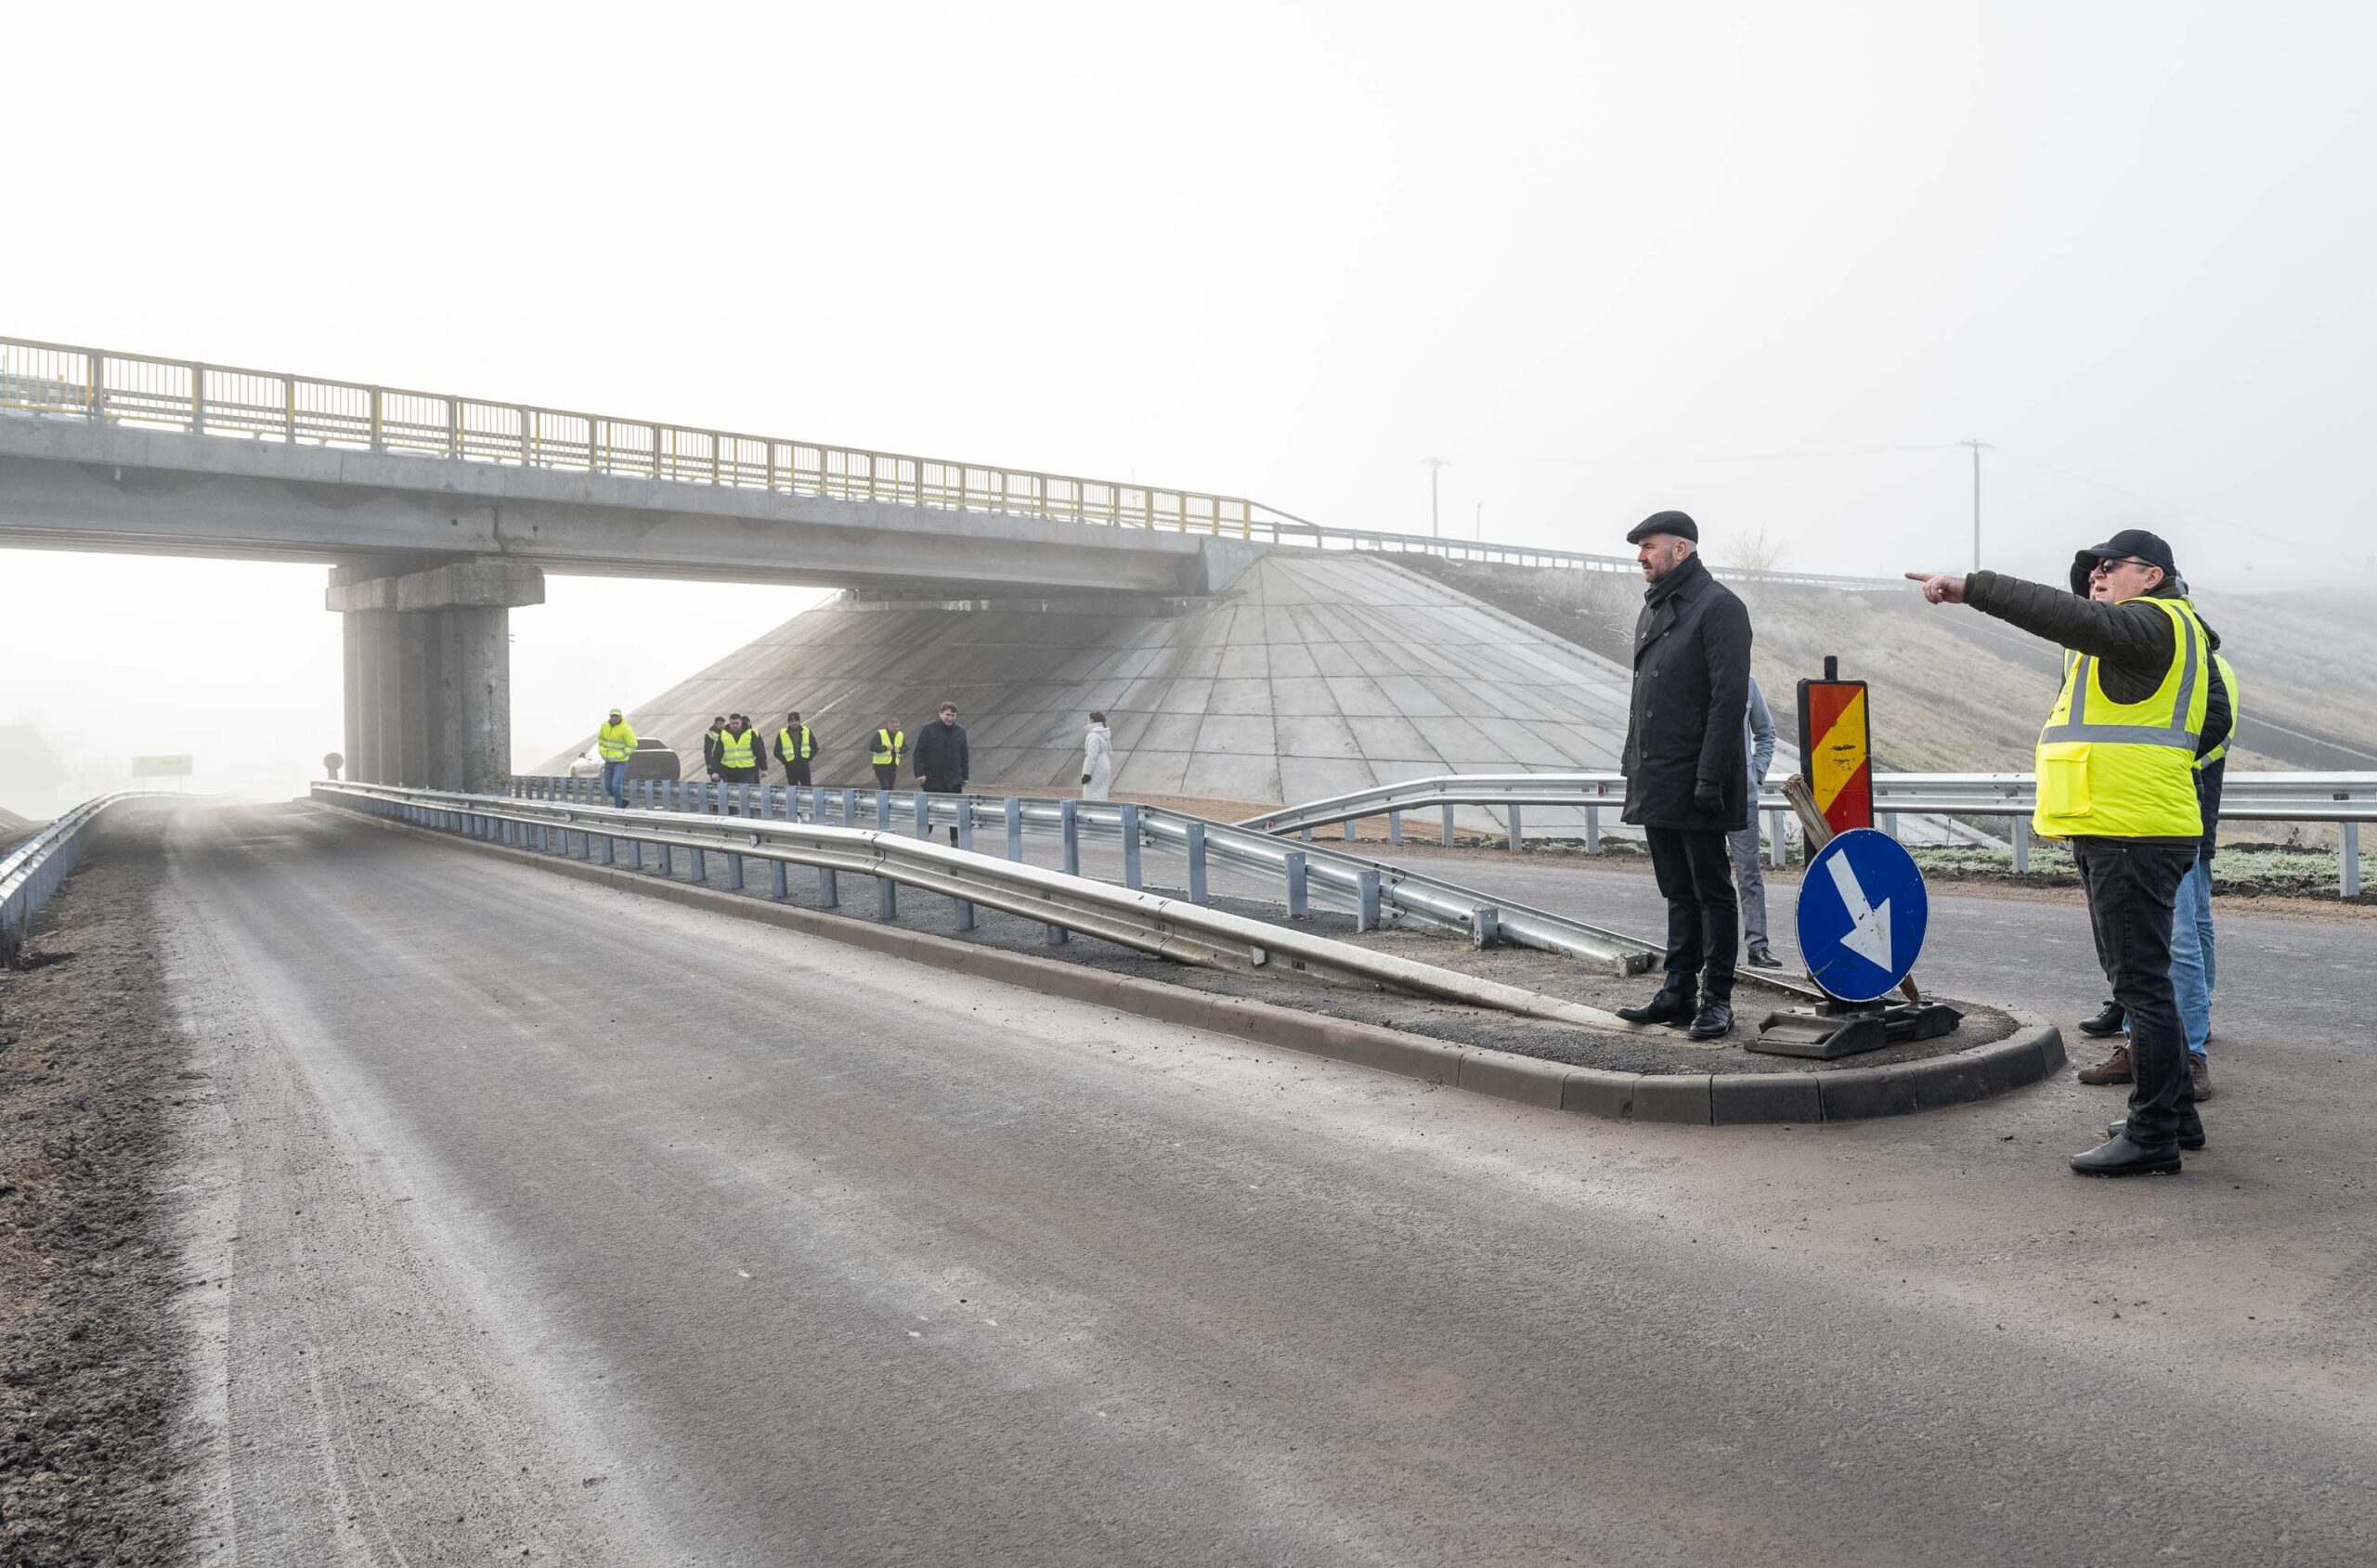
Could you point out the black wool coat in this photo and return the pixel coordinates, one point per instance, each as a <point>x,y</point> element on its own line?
<point>1690,694</point>
<point>940,756</point>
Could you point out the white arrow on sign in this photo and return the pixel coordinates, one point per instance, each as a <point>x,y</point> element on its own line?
<point>1869,929</point>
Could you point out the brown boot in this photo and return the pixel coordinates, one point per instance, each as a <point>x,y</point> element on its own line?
<point>2112,1069</point>
<point>2200,1073</point>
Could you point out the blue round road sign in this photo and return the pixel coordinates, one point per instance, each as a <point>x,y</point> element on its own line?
<point>1862,915</point>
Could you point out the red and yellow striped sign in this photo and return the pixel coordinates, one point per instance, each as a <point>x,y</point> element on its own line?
<point>1834,749</point>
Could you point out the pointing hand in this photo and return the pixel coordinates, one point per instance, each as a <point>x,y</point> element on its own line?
<point>1940,587</point>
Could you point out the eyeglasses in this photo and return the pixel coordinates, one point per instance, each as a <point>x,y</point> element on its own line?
<point>2105,567</point>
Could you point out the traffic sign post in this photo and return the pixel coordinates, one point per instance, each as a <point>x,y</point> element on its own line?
<point>1835,748</point>
<point>1863,912</point>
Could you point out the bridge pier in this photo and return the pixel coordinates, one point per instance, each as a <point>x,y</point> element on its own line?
<point>428,674</point>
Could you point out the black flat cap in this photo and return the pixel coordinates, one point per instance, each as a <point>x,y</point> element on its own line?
<point>2129,544</point>
<point>1679,523</point>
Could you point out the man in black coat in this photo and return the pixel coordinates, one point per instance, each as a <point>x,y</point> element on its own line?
<point>941,759</point>
<point>1687,773</point>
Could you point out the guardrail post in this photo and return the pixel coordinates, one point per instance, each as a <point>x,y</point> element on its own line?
<point>966,842</point>
<point>1014,809</point>
<point>777,887</point>
<point>1299,904</point>
<point>668,861</point>
<point>1130,816</point>
<point>1447,827</point>
<point>924,815</point>
<point>1306,835</point>
<point>701,868</point>
<point>734,872</point>
<point>829,893</point>
<point>849,808</point>
<point>1196,862</point>
<point>2021,845</point>
<point>1395,827</point>
<point>1349,830</point>
<point>1366,911</point>
<point>2348,860</point>
<point>886,898</point>
<point>1890,823</point>
<point>610,850</point>
<point>635,854</point>
<point>1068,846</point>
<point>1485,928</point>
<point>1778,851</point>
<point>1592,830</point>
<point>1518,830</point>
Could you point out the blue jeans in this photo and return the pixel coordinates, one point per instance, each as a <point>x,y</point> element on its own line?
<point>2191,967</point>
<point>615,783</point>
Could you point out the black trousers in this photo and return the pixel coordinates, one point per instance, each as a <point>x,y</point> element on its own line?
<point>2131,886</point>
<point>796,772</point>
<point>1696,872</point>
<point>886,775</point>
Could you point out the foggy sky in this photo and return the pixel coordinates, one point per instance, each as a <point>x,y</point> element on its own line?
<point>1763,263</point>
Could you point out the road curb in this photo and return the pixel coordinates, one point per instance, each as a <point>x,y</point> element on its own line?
<point>2032,1053</point>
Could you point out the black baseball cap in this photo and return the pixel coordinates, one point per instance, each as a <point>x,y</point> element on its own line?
<point>2129,544</point>
<point>1679,523</point>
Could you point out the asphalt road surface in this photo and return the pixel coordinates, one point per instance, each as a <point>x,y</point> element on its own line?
<point>531,1220</point>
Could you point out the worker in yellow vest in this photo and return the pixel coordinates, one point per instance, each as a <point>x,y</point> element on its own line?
<point>795,746</point>
<point>890,745</point>
<point>615,743</point>
<point>2117,778</point>
<point>739,750</point>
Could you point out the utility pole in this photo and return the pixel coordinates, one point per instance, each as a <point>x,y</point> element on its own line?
<point>1977,448</point>
<point>1436,530</point>
<point>1477,526</point>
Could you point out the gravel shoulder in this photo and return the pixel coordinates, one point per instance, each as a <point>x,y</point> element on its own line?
<point>91,1461</point>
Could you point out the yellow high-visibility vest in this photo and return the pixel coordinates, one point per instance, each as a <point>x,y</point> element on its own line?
<point>888,744</point>
<point>615,741</point>
<point>2229,684</point>
<point>737,751</point>
<point>2125,769</point>
<point>784,747</point>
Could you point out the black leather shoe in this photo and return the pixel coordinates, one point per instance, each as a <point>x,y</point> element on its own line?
<point>1761,959</point>
<point>1671,1006</point>
<point>1716,1020</point>
<point>2105,1023</point>
<point>2191,1139</point>
<point>2119,1156</point>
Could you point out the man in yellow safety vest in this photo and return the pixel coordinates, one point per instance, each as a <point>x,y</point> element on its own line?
<point>2116,777</point>
<point>794,747</point>
<point>891,744</point>
<point>615,743</point>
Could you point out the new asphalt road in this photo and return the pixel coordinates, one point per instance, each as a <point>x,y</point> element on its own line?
<point>533,1221</point>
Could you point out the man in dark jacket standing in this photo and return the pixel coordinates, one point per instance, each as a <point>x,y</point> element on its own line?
<point>1687,768</point>
<point>941,761</point>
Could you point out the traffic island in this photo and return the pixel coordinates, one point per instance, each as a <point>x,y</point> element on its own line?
<point>1648,1075</point>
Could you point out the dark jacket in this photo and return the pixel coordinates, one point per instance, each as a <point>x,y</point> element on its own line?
<point>2132,643</point>
<point>713,742</point>
<point>938,756</point>
<point>786,754</point>
<point>1690,689</point>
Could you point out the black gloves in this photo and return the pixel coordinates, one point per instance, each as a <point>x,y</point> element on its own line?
<point>1084,778</point>
<point>1707,798</point>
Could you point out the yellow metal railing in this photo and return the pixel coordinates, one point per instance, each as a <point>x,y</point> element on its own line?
<point>134,389</point>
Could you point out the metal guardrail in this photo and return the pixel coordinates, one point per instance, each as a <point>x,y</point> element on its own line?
<point>2346,799</point>
<point>67,381</point>
<point>33,871</point>
<point>1375,892</point>
<point>139,389</point>
<point>1064,901</point>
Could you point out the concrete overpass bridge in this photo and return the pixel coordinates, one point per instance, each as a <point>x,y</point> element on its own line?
<point>439,513</point>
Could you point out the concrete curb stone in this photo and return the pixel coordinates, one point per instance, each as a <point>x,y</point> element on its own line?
<point>2032,1053</point>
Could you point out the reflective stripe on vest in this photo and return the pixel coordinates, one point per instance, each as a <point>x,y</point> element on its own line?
<point>784,747</point>
<point>2125,769</point>
<point>888,745</point>
<point>615,741</point>
<point>2220,667</point>
<point>734,751</point>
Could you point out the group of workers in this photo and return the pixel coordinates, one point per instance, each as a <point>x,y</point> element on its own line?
<point>2129,767</point>
<point>734,751</point>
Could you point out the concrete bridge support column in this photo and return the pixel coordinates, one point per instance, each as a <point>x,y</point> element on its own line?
<point>429,673</point>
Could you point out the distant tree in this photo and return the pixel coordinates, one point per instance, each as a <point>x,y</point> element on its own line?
<point>1758,552</point>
